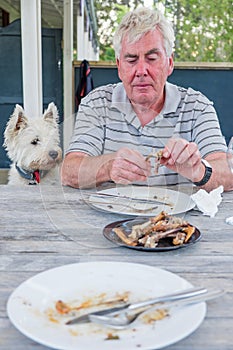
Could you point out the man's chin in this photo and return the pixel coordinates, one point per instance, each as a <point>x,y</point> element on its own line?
<point>141,99</point>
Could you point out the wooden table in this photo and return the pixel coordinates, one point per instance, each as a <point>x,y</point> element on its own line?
<point>46,227</point>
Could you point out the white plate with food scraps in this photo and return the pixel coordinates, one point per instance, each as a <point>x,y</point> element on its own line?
<point>32,306</point>
<point>141,201</point>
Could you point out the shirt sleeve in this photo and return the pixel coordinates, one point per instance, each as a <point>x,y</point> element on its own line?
<point>89,129</point>
<point>198,122</point>
<point>206,130</point>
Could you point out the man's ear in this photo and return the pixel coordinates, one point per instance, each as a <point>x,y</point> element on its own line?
<point>171,64</point>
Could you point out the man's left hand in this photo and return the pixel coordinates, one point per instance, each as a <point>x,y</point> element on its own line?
<point>184,158</point>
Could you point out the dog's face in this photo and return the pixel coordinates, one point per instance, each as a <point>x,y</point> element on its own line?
<point>34,143</point>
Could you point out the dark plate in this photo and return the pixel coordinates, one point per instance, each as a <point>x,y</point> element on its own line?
<point>164,244</point>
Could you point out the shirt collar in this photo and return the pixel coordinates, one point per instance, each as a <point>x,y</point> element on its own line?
<point>121,102</point>
<point>172,99</point>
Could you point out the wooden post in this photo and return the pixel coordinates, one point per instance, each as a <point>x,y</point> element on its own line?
<point>67,72</point>
<point>31,57</point>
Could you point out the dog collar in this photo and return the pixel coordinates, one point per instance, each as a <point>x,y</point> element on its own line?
<point>32,176</point>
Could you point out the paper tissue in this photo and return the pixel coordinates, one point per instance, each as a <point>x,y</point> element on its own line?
<point>208,202</point>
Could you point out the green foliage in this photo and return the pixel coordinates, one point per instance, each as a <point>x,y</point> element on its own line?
<point>203,28</point>
<point>107,54</point>
<point>109,15</point>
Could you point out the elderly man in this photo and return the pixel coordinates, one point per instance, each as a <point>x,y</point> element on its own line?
<point>118,125</point>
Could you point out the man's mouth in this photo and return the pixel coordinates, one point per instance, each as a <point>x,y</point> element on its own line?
<point>141,86</point>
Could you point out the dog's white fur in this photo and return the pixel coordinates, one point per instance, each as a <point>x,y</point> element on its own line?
<point>33,144</point>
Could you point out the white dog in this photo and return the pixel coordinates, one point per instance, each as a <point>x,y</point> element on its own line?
<point>33,147</point>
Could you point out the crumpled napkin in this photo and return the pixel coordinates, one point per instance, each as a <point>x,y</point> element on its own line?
<point>208,202</point>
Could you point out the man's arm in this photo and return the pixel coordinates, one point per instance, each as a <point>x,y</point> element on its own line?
<point>184,157</point>
<point>125,166</point>
<point>221,174</point>
<point>80,170</point>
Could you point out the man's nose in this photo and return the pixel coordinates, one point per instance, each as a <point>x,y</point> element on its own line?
<point>141,68</point>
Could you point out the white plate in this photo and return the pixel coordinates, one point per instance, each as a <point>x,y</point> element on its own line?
<point>178,202</point>
<point>28,306</point>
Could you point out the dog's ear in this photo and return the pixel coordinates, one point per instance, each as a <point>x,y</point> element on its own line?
<point>51,113</point>
<point>19,117</point>
<point>16,123</point>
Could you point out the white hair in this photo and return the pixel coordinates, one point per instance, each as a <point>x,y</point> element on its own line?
<point>140,21</point>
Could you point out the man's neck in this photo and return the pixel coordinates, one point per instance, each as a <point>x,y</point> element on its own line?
<point>147,113</point>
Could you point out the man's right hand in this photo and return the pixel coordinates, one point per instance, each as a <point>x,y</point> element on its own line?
<point>128,166</point>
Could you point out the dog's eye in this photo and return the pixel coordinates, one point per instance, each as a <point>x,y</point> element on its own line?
<point>35,141</point>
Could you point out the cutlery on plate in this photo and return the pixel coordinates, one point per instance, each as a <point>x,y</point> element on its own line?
<point>137,210</point>
<point>123,319</point>
<point>115,311</point>
<point>153,200</point>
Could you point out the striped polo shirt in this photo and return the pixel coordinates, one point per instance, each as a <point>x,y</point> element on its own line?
<point>106,122</point>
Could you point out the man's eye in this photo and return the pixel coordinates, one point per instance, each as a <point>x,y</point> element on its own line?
<point>152,58</point>
<point>131,61</point>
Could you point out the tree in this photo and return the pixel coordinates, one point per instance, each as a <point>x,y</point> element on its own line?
<point>203,28</point>
<point>109,16</point>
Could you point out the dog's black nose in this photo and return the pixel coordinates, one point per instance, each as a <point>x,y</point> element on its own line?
<point>53,154</point>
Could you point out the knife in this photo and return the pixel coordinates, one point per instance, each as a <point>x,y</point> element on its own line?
<point>183,294</point>
<point>133,199</point>
<point>85,318</point>
<point>123,319</point>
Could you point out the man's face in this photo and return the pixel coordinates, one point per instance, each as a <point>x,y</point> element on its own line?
<point>143,68</point>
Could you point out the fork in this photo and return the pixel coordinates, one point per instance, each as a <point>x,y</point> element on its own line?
<point>125,318</point>
<point>115,311</point>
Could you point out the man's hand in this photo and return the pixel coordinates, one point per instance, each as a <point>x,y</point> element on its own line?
<point>125,166</point>
<point>184,158</point>
<point>128,166</point>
